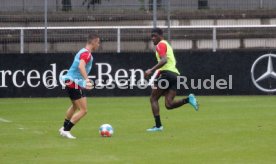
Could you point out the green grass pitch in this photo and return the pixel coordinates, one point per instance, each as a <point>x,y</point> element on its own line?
<point>233,129</point>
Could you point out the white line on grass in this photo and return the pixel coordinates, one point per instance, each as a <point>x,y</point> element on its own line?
<point>4,120</point>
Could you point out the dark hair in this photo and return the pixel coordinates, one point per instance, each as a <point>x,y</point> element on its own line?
<point>92,36</point>
<point>159,31</point>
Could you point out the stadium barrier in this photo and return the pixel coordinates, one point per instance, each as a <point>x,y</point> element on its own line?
<point>203,73</point>
<point>206,37</point>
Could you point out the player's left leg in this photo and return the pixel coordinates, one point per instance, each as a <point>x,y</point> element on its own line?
<point>69,113</point>
<point>81,104</point>
<point>170,103</point>
<point>170,94</point>
<point>78,98</point>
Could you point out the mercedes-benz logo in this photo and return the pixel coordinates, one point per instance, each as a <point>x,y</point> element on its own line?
<point>270,73</point>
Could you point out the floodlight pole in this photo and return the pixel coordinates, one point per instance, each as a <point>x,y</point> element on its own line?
<point>215,42</point>
<point>21,41</point>
<point>118,40</point>
<point>154,13</point>
<point>169,19</point>
<point>261,4</point>
<point>45,24</point>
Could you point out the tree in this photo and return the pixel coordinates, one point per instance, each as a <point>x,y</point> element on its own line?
<point>92,3</point>
<point>66,5</point>
<point>202,4</point>
<point>158,2</point>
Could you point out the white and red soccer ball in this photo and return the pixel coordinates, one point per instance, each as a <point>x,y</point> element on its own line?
<point>106,130</point>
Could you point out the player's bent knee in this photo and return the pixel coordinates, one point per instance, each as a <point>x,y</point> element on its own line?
<point>169,105</point>
<point>84,111</point>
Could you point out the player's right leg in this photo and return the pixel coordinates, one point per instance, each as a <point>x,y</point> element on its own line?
<point>155,96</point>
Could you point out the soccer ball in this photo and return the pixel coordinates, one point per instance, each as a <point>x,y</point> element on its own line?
<point>106,130</point>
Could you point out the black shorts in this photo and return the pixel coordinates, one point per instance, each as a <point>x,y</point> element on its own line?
<point>169,77</point>
<point>75,94</point>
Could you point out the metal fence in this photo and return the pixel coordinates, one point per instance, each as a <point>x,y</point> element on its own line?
<point>124,25</point>
<point>137,38</point>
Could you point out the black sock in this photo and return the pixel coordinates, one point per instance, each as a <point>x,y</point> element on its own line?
<point>69,126</point>
<point>65,122</point>
<point>186,100</point>
<point>157,121</point>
